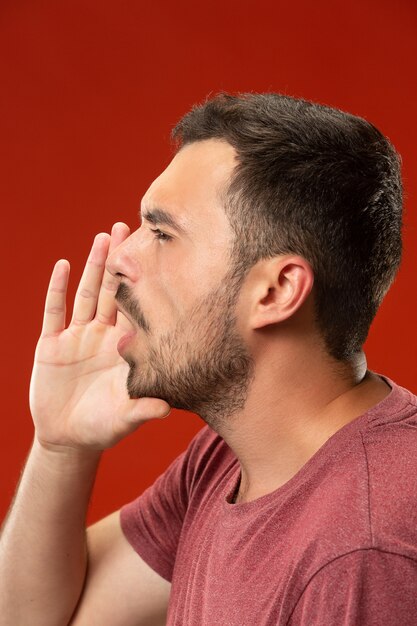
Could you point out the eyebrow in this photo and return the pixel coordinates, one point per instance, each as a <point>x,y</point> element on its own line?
<point>159,216</point>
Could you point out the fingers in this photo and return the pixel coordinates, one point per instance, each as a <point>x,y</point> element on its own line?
<point>85,303</point>
<point>106,307</point>
<point>96,291</point>
<point>55,304</point>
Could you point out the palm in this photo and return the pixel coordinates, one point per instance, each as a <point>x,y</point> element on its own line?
<point>78,388</point>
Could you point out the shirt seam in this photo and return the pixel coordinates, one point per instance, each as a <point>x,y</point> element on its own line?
<point>341,556</point>
<point>375,412</point>
<point>368,488</point>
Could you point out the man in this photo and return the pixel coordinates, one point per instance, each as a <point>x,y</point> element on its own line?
<point>264,251</point>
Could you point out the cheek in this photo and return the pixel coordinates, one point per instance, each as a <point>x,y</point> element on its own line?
<point>177,290</point>
<point>242,313</point>
<point>184,278</point>
<point>162,304</point>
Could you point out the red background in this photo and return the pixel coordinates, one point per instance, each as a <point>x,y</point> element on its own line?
<point>89,93</point>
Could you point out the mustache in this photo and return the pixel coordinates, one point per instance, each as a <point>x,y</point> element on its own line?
<point>130,306</point>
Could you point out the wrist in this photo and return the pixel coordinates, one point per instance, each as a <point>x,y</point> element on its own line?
<point>65,455</point>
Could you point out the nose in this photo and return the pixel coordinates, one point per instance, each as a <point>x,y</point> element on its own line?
<point>121,262</point>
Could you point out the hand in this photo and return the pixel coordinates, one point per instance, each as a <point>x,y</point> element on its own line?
<point>78,393</point>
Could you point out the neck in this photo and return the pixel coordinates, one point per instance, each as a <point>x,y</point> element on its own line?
<point>291,412</point>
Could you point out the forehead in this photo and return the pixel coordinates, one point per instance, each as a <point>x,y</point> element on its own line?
<point>190,187</point>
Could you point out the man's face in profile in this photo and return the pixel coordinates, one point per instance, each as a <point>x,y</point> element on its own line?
<point>176,291</point>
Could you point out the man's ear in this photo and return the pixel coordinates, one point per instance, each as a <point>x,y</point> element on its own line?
<point>284,284</point>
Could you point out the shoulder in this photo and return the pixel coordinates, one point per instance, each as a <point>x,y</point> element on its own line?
<point>366,586</point>
<point>389,442</point>
<point>360,491</point>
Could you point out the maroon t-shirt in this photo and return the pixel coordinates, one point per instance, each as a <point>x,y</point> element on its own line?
<point>335,545</point>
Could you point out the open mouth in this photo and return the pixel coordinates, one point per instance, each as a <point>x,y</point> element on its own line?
<point>128,326</point>
<point>124,341</point>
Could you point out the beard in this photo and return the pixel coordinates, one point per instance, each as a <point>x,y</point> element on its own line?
<point>203,365</point>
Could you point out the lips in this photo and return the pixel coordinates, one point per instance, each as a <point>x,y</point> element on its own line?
<point>124,341</point>
<point>127,338</point>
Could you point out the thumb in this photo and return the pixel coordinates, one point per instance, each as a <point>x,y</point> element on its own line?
<point>147,409</point>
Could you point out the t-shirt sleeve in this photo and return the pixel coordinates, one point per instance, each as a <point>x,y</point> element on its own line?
<point>152,523</point>
<point>367,587</point>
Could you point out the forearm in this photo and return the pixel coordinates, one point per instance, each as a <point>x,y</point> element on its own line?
<point>42,548</point>
<point>78,401</point>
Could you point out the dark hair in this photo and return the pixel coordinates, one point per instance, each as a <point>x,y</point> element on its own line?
<point>314,181</point>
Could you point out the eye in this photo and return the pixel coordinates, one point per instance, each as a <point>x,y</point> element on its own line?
<point>160,235</point>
